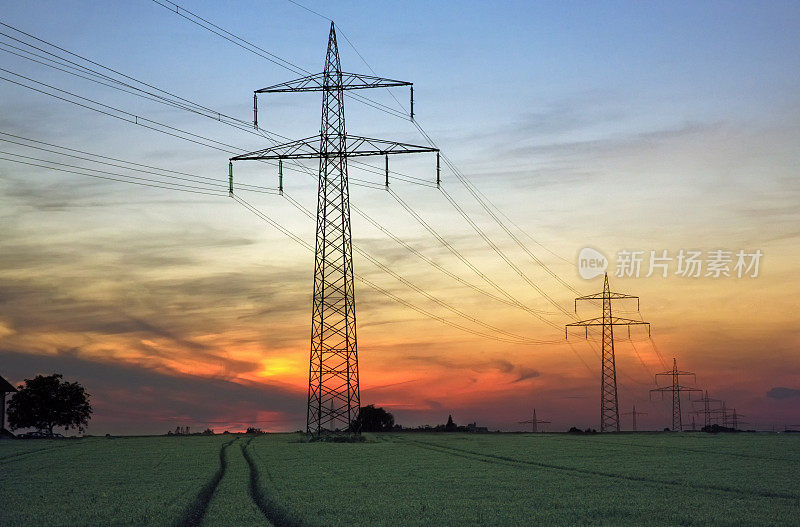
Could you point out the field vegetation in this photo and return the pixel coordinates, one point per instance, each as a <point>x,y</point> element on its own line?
<point>404,479</point>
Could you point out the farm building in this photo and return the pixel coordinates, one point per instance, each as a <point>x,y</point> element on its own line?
<point>5,387</point>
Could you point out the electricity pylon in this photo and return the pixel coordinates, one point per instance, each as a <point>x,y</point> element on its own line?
<point>633,414</point>
<point>534,422</point>
<point>734,421</point>
<point>676,389</point>
<point>334,398</point>
<point>706,411</point>
<point>730,419</point>
<point>721,414</point>
<point>609,410</point>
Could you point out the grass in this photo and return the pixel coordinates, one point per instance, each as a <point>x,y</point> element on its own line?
<point>100,481</point>
<point>404,479</point>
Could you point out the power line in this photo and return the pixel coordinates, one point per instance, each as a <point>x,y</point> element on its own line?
<point>142,121</point>
<point>490,207</point>
<point>184,177</point>
<point>137,120</point>
<point>477,195</point>
<point>176,101</point>
<point>638,356</point>
<point>191,107</point>
<point>74,65</point>
<point>502,254</point>
<point>297,239</point>
<point>462,258</point>
<point>261,52</point>
<point>207,112</point>
<point>312,11</point>
<point>164,186</point>
<point>422,256</point>
<point>208,188</point>
<point>424,293</point>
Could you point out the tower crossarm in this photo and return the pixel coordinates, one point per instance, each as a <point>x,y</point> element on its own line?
<point>708,401</point>
<point>349,81</point>
<point>599,296</point>
<point>609,295</point>
<point>366,146</point>
<point>662,389</point>
<point>670,373</point>
<point>617,321</point>
<point>355,146</point>
<point>674,374</point>
<point>306,148</point>
<point>614,321</point>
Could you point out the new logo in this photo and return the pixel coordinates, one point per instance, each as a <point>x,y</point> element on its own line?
<point>591,263</point>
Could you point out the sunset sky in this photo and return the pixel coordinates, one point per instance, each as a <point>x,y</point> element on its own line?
<point>621,126</point>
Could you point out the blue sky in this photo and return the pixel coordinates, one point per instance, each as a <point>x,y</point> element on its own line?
<point>616,125</point>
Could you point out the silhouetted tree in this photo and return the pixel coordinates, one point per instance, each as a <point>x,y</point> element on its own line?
<point>46,402</point>
<point>372,419</point>
<point>450,426</point>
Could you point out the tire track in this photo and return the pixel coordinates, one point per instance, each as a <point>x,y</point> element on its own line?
<point>509,461</point>
<point>272,511</point>
<point>197,509</point>
<point>684,449</point>
<point>11,458</point>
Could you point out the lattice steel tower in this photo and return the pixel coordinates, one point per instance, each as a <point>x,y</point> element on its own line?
<point>534,422</point>
<point>334,397</point>
<point>609,409</point>
<point>676,389</point>
<point>633,415</point>
<point>707,411</point>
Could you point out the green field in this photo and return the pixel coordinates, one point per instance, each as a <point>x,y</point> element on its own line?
<point>404,479</point>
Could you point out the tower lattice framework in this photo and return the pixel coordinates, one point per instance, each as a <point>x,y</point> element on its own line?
<point>707,411</point>
<point>633,413</point>
<point>334,397</point>
<point>609,407</point>
<point>534,422</point>
<point>333,389</point>
<point>676,389</point>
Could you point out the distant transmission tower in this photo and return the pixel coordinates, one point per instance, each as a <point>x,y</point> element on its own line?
<point>334,397</point>
<point>730,419</point>
<point>734,420</point>
<point>633,415</point>
<point>676,389</point>
<point>706,411</point>
<point>534,422</point>
<point>609,411</point>
<point>721,414</point>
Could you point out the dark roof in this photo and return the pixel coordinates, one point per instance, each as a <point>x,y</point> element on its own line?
<point>5,386</point>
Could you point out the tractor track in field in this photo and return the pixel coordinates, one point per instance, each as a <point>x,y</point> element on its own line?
<point>271,510</point>
<point>197,509</point>
<point>684,449</point>
<point>509,461</point>
<point>14,457</point>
